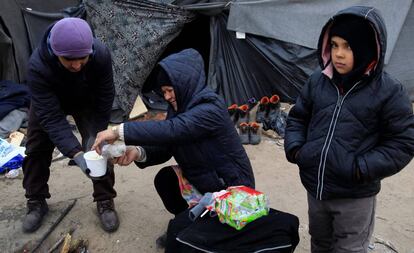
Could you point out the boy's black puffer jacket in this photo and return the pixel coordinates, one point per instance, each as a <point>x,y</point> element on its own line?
<point>370,128</point>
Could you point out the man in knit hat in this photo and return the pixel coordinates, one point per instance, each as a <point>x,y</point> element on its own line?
<point>70,73</point>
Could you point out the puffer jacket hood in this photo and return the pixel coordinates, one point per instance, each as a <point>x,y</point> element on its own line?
<point>199,135</point>
<point>186,73</point>
<point>374,18</point>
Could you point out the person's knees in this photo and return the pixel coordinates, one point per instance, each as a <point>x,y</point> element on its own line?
<point>164,176</point>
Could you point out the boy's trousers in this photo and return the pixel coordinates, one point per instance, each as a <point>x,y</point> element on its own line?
<point>341,225</point>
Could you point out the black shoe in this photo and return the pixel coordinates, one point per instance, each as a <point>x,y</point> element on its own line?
<point>36,209</point>
<point>107,215</point>
<point>161,241</point>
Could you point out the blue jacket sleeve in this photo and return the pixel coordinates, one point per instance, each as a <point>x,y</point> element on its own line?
<point>155,155</point>
<point>51,117</point>
<point>198,122</point>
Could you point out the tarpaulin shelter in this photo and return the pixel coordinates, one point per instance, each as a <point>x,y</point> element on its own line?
<point>250,48</point>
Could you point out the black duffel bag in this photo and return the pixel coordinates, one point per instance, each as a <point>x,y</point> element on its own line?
<point>277,233</point>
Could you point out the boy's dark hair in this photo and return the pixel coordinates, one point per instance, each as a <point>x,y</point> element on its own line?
<point>360,35</point>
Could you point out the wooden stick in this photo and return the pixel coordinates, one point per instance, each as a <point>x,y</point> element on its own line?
<point>57,244</point>
<point>66,244</point>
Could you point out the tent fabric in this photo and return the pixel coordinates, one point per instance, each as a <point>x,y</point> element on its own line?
<point>8,70</point>
<point>401,63</point>
<point>37,21</point>
<point>13,21</point>
<point>276,57</point>
<point>256,66</point>
<point>22,29</point>
<point>136,32</point>
<point>300,22</point>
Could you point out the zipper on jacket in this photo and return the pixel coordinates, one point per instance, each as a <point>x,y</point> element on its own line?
<point>329,136</point>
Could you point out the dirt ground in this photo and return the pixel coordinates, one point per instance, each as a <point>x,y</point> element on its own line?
<point>143,217</point>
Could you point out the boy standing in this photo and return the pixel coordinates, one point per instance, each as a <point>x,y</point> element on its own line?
<point>351,126</point>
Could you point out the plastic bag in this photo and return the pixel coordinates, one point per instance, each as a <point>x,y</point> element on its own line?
<point>241,205</point>
<point>11,157</point>
<point>113,150</point>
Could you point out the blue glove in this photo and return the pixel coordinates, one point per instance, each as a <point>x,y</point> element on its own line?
<point>80,161</point>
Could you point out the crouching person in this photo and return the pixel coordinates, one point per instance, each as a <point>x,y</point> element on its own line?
<point>197,132</point>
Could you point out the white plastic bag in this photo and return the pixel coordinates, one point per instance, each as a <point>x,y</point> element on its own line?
<point>11,157</point>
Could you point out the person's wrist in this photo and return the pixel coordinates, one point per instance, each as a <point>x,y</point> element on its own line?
<point>115,130</point>
<point>119,131</point>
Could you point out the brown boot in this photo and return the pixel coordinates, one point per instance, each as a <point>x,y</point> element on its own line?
<point>107,215</point>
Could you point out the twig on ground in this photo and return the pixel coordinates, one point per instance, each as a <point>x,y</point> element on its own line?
<point>66,244</point>
<point>388,244</point>
<point>57,244</point>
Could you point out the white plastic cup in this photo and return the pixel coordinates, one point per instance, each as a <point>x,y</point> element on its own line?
<point>96,163</point>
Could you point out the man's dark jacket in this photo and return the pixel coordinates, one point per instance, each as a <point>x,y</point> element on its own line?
<point>56,92</point>
<point>369,129</point>
<point>200,135</point>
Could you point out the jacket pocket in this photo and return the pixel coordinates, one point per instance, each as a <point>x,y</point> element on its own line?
<point>308,155</point>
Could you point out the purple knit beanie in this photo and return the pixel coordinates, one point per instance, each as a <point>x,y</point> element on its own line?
<point>71,38</point>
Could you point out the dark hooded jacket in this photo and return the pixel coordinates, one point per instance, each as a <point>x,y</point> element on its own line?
<point>369,129</point>
<point>200,135</point>
<point>56,92</point>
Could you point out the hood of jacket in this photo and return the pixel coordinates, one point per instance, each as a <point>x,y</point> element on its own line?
<point>373,17</point>
<point>185,70</point>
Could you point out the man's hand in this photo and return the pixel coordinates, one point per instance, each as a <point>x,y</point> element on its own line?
<point>106,136</point>
<point>131,154</point>
<point>80,161</point>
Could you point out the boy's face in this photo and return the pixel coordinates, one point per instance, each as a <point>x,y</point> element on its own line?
<point>169,95</point>
<point>342,55</point>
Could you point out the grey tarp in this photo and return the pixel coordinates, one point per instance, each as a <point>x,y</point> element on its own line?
<point>12,19</point>
<point>136,32</point>
<point>21,27</point>
<point>275,57</point>
<point>8,68</point>
<point>241,69</point>
<point>401,63</point>
<point>300,22</point>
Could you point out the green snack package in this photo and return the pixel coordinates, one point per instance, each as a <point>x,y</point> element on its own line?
<point>241,205</point>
